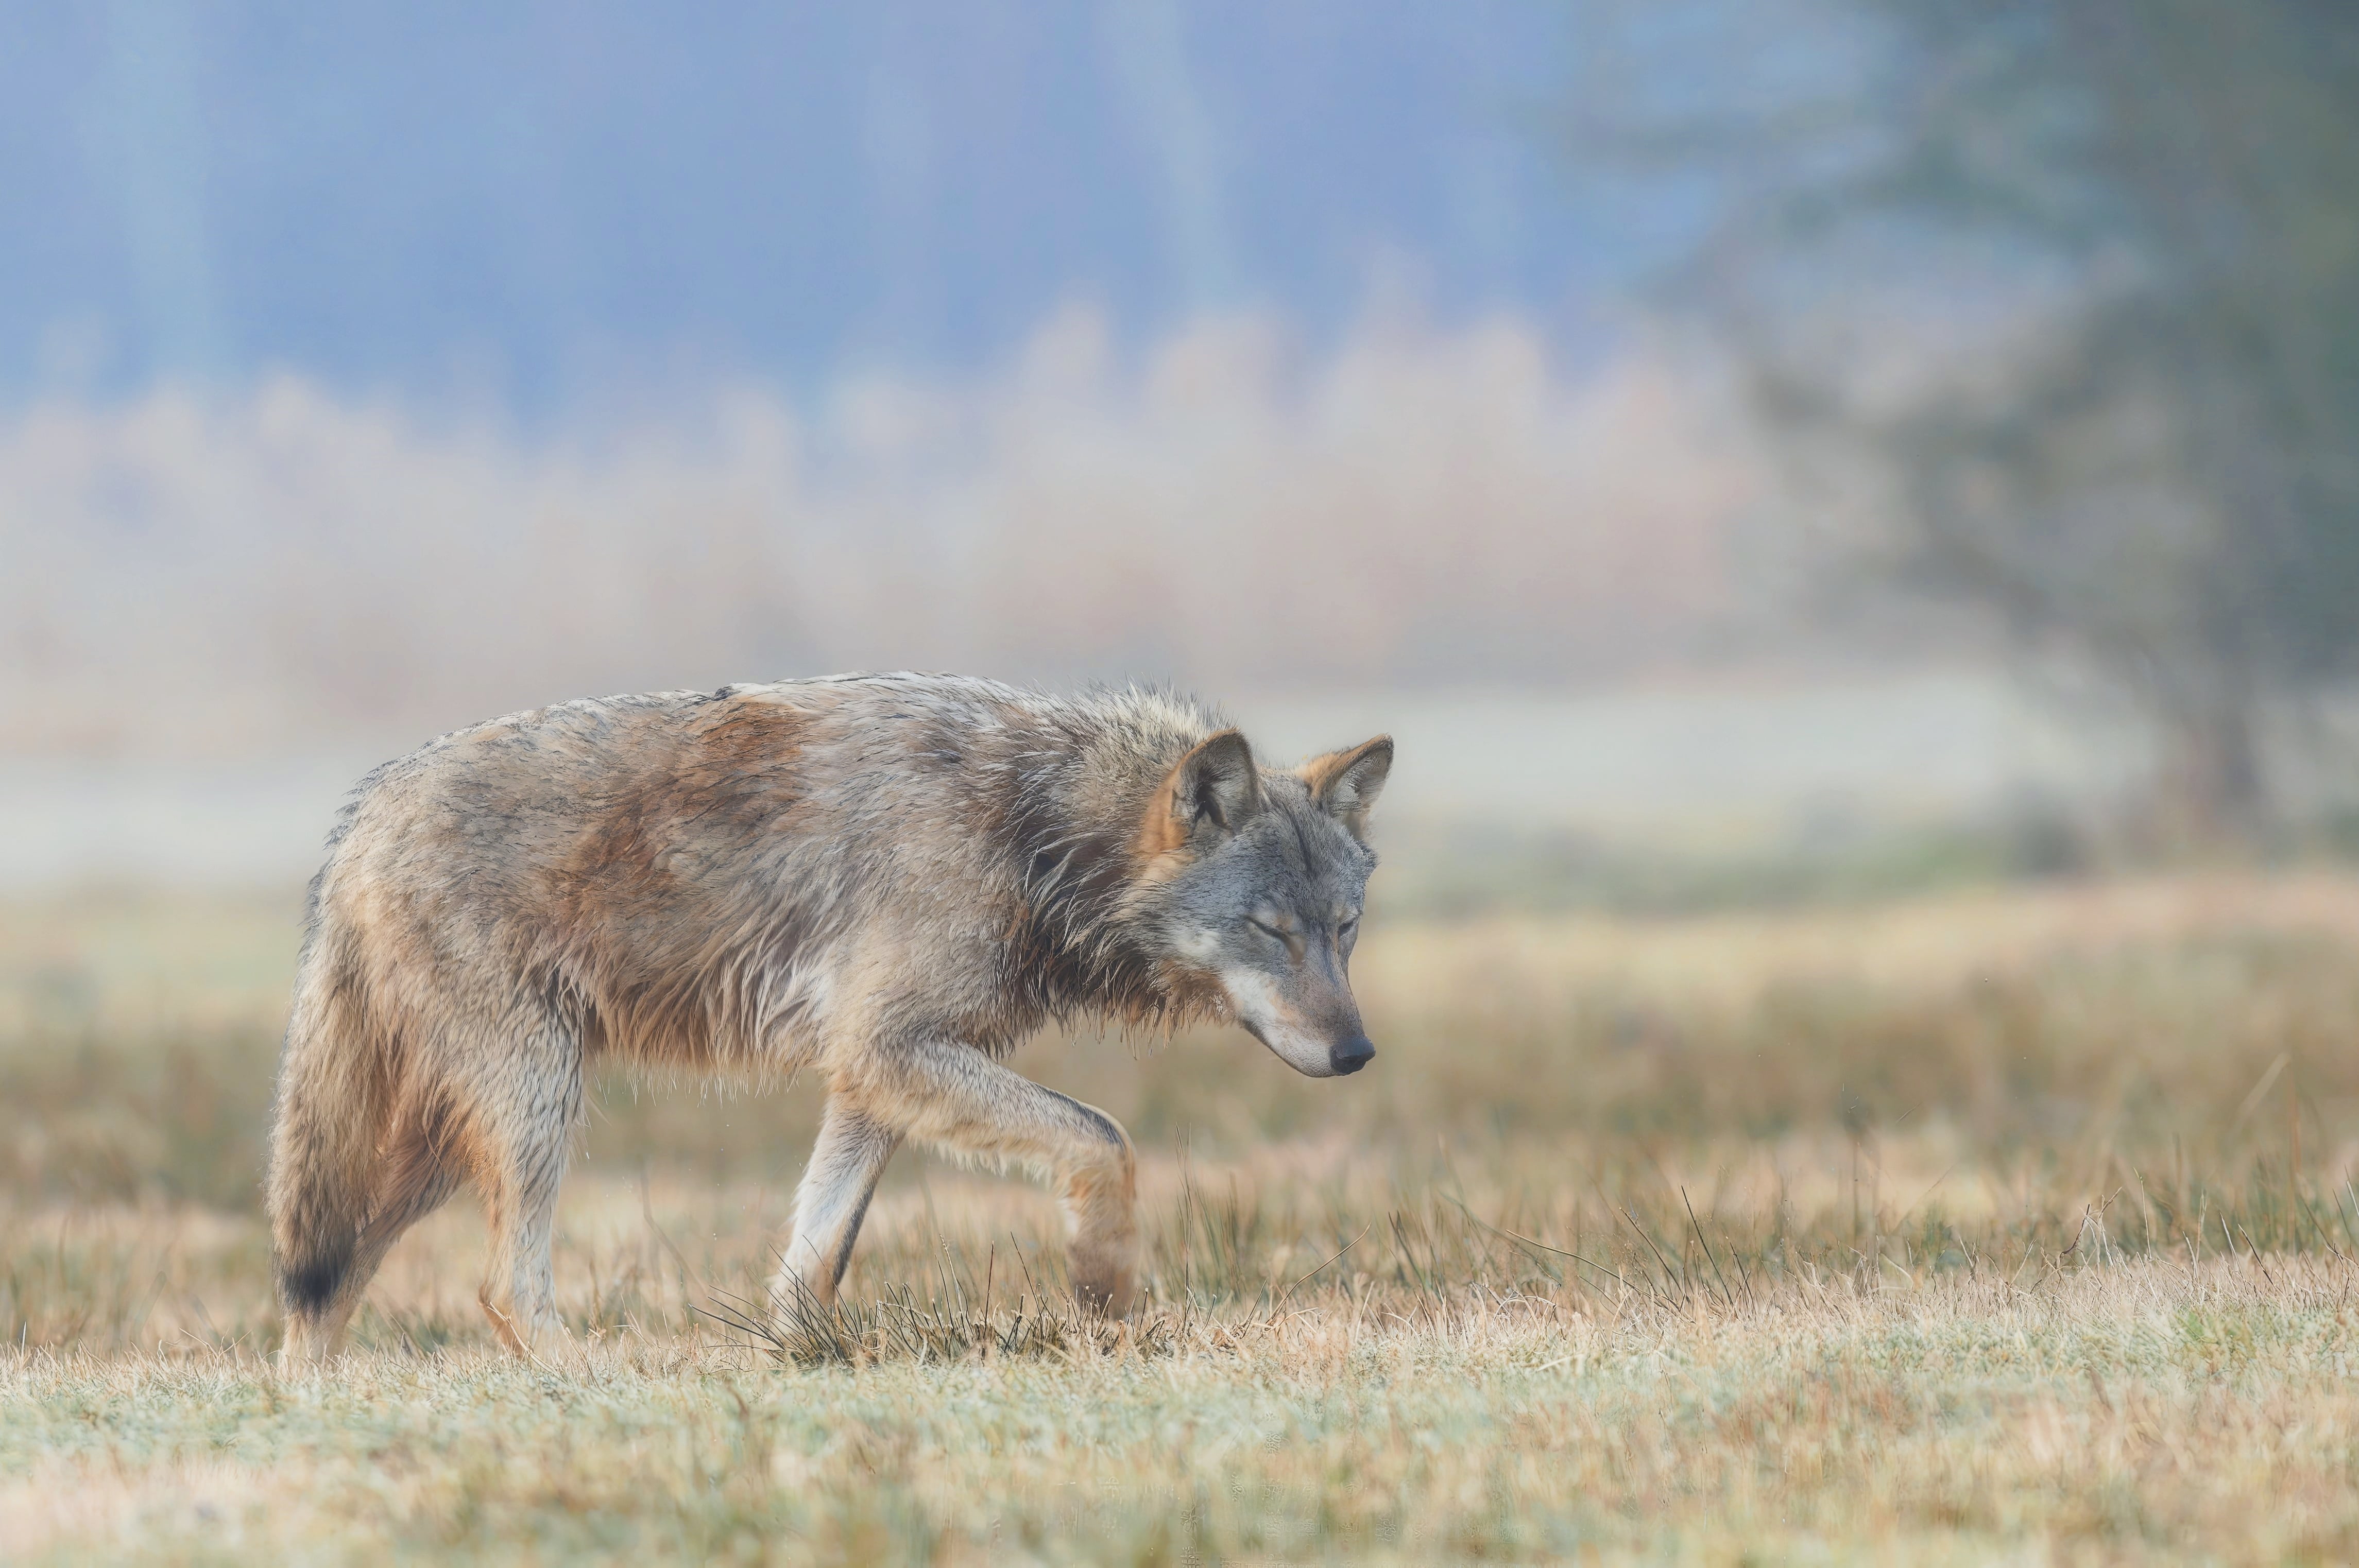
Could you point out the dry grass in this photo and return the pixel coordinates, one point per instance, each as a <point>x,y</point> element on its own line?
<point>2012,1225</point>
<point>1428,1398</point>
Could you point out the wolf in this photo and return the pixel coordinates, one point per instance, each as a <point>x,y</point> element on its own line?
<point>886,880</point>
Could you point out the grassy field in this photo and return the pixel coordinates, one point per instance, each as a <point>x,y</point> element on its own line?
<point>2011,1225</point>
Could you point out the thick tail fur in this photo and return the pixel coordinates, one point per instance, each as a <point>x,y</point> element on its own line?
<point>324,1142</point>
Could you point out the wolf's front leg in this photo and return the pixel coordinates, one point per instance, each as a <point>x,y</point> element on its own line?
<point>950,1094</point>
<point>831,1202</point>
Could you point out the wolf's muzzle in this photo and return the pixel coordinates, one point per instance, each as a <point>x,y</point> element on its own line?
<point>1351,1054</point>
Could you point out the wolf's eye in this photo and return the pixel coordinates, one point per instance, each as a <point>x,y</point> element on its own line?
<point>1274,932</point>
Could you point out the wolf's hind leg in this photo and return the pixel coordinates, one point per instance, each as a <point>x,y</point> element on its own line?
<point>831,1202</point>
<point>522,1140</point>
<point>950,1094</point>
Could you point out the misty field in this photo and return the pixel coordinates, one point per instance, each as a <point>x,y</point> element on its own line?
<point>2006,1224</point>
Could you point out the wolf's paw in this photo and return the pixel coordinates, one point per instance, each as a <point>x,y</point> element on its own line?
<point>536,1337</point>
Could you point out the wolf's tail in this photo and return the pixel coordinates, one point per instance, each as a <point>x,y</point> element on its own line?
<point>324,1136</point>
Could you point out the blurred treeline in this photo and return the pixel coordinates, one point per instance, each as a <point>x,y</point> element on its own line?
<point>2051,307</point>
<point>1229,508</point>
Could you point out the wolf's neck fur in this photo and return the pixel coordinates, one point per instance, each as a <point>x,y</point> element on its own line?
<point>1074,810</point>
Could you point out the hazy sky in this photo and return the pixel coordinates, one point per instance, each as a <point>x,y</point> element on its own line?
<point>518,201</point>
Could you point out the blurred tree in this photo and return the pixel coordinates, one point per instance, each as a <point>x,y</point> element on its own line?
<point>2066,294</point>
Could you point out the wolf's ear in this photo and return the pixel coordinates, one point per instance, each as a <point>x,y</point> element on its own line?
<point>1344,784</point>
<point>1208,794</point>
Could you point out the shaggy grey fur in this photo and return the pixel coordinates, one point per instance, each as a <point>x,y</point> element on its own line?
<point>888,880</point>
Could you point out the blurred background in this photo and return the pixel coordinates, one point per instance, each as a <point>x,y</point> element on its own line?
<point>1781,457</point>
<point>1762,431</point>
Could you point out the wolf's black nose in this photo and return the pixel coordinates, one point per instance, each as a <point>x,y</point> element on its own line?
<point>1351,1054</point>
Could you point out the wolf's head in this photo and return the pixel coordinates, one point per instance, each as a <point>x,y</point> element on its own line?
<point>1259,877</point>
